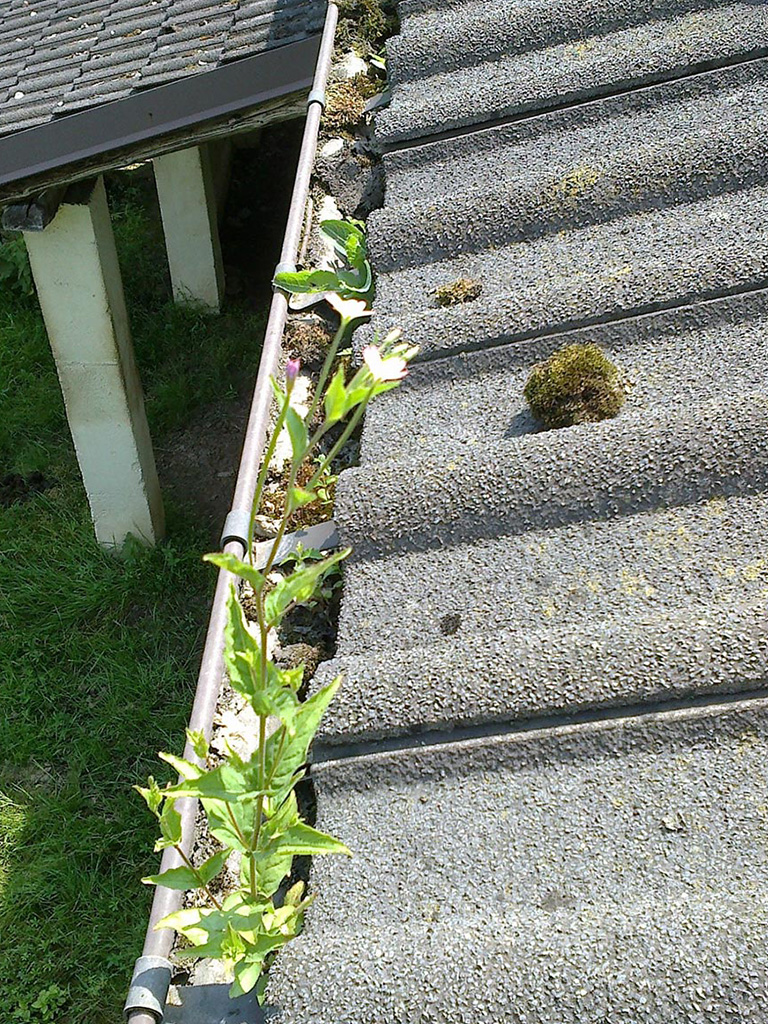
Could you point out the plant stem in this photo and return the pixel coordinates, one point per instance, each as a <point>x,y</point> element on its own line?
<point>263,474</point>
<point>278,755</point>
<point>236,827</point>
<point>348,430</point>
<point>283,525</point>
<point>327,364</point>
<point>198,876</point>
<point>260,799</point>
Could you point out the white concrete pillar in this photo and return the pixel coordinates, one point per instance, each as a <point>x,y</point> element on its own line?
<point>187,194</point>
<point>74,263</point>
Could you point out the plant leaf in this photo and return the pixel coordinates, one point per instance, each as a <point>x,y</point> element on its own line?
<point>297,431</point>
<point>298,497</point>
<point>299,587</point>
<point>242,657</point>
<point>242,653</point>
<point>356,281</point>
<point>227,782</point>
<point>305,282</point>
<point>261,989</point>
<point>198,742</point>
<point>170,826</point>
<point>184,921</point>
<point>342,233</point>
<point>186,769</point>
<point>209,929</point>
<point>303,840</point>
<point>278,392</point>
<point>237,566</point>
<point>292,677</point>
<point>282,837</point>
<point>270,868</point>
<point>247,974</point>
<point>336,398</point>
<point>285,757</point>
<point>220,824</point>
<point>185,878</point>
<point>276,700</point>
<point>174,878</point>
<point>151,794</point>
<point>213,866</point>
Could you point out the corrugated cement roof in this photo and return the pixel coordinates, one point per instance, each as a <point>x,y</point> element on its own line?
<point>550,752</point>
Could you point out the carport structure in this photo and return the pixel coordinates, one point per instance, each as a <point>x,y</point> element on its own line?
<point>90,86</point>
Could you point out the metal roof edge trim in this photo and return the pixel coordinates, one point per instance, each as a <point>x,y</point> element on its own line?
<point>159,110</point>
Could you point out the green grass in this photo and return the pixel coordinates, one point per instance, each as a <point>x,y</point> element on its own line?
<point>98,655</point>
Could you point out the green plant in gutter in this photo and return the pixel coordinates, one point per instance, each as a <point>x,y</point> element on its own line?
<point>251,805</point>
<point>349,277</point>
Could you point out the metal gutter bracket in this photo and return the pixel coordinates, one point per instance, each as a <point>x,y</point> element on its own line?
<point>237,526</point>
<point>149,986</point>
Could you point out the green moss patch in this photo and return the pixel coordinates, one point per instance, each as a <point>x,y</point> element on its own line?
<point>577,384</point>
<point>346,103</point>
<point>365,24</point>
<point>458,292</point>
<point>308,340</point>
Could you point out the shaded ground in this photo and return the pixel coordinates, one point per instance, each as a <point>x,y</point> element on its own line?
<point>198,461</point>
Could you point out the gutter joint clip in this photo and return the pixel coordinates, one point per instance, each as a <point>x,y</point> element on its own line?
<point>237,526</point>
<point>149,987</point>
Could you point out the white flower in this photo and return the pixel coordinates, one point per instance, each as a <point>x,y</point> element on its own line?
<point>392,367</point>
<point>348,309</point>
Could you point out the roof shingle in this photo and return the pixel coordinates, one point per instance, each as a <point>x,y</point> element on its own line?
<point>59,57</point>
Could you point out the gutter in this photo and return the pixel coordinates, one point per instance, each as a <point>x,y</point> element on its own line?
<point>152,972</point>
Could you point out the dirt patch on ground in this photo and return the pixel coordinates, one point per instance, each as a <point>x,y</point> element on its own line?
<point>197,464</point>
<point>16,488</point>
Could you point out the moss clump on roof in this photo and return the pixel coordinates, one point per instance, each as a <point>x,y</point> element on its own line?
<point>463,290</point>
<point>346,103</point>
<point>577,384</point>
<point>365,24</point>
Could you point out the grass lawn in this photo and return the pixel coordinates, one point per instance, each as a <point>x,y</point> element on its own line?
<point>98,656</point>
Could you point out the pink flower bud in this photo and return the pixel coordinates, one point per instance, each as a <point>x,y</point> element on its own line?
<point>292,368</point>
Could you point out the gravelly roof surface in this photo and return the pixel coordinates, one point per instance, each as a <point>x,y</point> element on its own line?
<point>606,873</point>
<point>59,56</point>
<point>588,603</point>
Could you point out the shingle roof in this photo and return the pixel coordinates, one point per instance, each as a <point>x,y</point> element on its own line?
<point>61,56</point>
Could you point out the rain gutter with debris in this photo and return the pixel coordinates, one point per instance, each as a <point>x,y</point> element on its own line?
<point>152,973</point>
